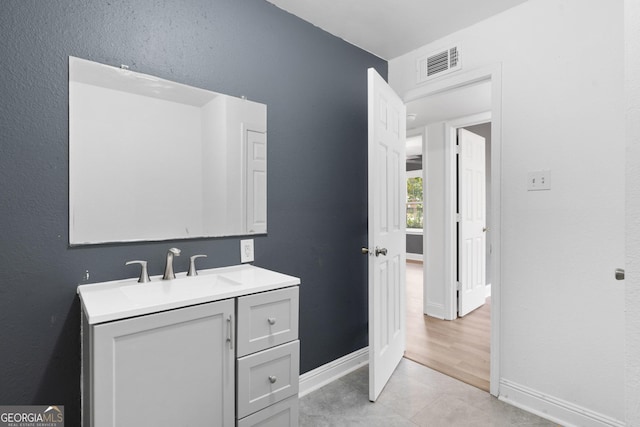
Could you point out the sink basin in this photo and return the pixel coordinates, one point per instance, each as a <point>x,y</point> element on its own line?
<point>108,301</point>
<point>179,289</point>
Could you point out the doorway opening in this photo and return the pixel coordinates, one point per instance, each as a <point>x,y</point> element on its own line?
<point>455,106</point>
<point>460,348</point>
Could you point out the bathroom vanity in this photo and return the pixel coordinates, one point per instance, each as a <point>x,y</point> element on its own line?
<point>217,349</point>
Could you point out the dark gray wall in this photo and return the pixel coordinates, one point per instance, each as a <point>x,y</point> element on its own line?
<point>414,164</point>
<point>315,87</point>
<point>414,244</point>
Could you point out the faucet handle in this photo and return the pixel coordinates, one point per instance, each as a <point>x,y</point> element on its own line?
<point>144,275</point>
<point>192,265</point>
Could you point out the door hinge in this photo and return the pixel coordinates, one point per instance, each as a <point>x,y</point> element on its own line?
<point>458,149</point>
<point>458,286</point>
<point>458,217</point>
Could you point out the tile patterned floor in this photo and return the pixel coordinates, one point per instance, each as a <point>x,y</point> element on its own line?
<point>414,396</point>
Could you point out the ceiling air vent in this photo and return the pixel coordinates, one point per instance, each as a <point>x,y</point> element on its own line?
<point>438,63</point>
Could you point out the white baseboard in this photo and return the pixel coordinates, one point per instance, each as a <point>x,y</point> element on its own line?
<point>552,408</point>
<point>435,310</point>
<point>487,290</point>
<point>323,375</point>
<point>549,407</point>
<point>414,257</point>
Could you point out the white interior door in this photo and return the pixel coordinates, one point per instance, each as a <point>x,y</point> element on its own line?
<point>387,224</point>
<point>472,226</point>
<point>256,179</point>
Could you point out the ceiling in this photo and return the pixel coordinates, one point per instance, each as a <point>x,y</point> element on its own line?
<point>390,28</point>
<point>452,104</point>
<point>445,106</point>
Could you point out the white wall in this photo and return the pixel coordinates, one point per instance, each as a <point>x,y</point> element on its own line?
<point>562,312</point>
<point>435,249</point>
<point>165,134</point>
<point>214,166</point>
<point>632,89</point>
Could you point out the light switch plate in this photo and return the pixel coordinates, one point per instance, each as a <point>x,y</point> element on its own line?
<point>539,180</point>
<point>246,250</point>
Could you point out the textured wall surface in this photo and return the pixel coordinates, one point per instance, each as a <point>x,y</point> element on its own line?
<point>315,87</point>
<point>562,312</point>
<point>632,279</point>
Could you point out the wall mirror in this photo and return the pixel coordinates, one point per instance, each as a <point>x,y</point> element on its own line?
<point>151,159</point>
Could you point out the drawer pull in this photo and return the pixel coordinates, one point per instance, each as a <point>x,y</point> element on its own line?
<point>271,320</point>
<point>273,379</point>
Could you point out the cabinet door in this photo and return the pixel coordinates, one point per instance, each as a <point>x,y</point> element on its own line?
<point>174,368</point>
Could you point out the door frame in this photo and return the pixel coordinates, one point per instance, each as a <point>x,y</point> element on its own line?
<point>491,73</point>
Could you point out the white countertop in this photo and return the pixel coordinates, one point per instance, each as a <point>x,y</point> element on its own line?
<point>119,299</point>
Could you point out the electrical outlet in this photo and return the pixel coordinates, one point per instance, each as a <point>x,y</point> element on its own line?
<point>539,180</point>
<point>246,250</point>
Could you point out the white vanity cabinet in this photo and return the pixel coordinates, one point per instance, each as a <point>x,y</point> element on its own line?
<point>164,369</point>
<point>220,349</point>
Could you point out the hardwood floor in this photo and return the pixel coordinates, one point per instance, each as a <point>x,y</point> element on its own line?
<point>457,348</point>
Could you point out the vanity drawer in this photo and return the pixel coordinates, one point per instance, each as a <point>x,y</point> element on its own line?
<point>267,377</point>
<point>281,414</point>
<point>266,320</point>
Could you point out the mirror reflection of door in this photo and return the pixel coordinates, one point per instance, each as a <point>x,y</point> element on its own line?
<point>256,182</point>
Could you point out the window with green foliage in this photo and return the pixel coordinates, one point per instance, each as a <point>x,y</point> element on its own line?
<point>415,201</point>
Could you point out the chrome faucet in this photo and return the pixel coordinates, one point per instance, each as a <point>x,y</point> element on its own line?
<point>168,268</point>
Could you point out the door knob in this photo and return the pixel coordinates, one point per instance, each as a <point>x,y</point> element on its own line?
<point>381,251</point>
<point>364,250</point>
<point>619,273</point>
<point>484,229</point>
